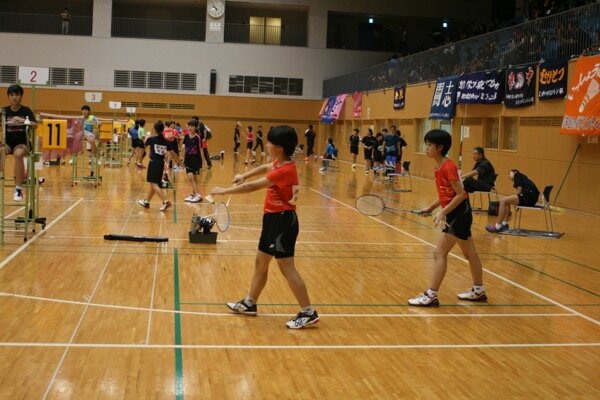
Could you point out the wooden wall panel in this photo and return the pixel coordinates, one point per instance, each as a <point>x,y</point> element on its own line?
<point>220,113</point>
<point>542,153</point>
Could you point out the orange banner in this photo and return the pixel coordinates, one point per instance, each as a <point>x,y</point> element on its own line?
<point>582,107</point>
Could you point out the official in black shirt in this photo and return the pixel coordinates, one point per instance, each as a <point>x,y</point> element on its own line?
<point>527,196</point>
<point>483,170</point>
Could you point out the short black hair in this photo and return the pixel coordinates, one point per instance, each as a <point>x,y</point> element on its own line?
<point>85,107</point>
<point>14,89</point>
<point>193,122</point>
<point>356,130</point>
<point>284,136</point>
<point>143,122</point>
<point>159,127</point>
<point>441,137</point>
<point>479,150</point>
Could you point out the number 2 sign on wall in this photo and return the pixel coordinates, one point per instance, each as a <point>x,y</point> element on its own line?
<point>34,75</point>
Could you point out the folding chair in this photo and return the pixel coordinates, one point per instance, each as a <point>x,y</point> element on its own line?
<point>395,177</point>
<point>332,164</point>
<point>544,207</point>
<point>480,194</point>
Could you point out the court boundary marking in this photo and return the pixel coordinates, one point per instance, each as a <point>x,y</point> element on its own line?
<point>337,315</point>
<point>18,251</point>
<point>298,347</point>
<point>86,306</point>
<point>494,274</point>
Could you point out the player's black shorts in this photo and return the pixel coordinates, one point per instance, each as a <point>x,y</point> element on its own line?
<point>279,233</point>
<point>155,171</point>
<point>368,154</point>
<point>137,143</point>
<point>528,199</point>
<point>15,139</point>
<point>193,163</point>
<point>353,149</point>
<point>460,220</point>
<point>249,145</point>
<point>377,156</point>
<point>171,145</point>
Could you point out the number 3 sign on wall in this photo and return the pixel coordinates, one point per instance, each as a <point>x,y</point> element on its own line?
<point>34,75</point>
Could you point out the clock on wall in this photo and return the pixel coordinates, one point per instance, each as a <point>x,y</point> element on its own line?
<point>216,8</point>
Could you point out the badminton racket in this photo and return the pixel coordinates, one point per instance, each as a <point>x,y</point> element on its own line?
<point>373,205</point>
<point>220,213</point>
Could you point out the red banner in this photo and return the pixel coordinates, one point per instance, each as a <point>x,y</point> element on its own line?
<point>582,107</point>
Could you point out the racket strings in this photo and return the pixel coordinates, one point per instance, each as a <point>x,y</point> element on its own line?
<point>370,205</point>
<point>221,216</point>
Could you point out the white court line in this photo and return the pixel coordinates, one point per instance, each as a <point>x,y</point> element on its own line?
<point>511,282</point>
<point>229,314</point>
<point>18,210</point>
<point>158,247</point>
<point>83,314</point>
<point>34,237</point>
<point>298,347</point>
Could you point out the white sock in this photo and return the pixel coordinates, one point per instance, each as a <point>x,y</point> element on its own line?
<point>498,226</point>
<point>478,288</point>
<point>308,310</point>
<point>504,222</point>
<point>431,293</point>
<point>249,301</point>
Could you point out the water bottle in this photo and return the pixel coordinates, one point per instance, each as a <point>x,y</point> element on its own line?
<point>27,121</point>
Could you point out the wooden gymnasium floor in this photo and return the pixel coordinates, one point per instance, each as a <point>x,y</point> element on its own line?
<point>84,318</point>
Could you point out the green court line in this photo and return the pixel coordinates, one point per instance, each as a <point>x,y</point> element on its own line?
<point>177,318</point>
<point>548,275</point>
<point>575,262</point>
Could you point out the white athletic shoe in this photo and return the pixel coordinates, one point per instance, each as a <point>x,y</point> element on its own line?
<point>18,195</point>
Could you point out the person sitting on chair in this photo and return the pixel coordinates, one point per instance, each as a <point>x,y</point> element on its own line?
<point>330,154</point>
<point>527,196</point>
<point>483,170</point>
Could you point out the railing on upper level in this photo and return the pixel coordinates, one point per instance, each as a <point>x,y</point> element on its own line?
<point>286,35</point>
<point>559,36</point>
<point>44,23</point>
<point>158,29</point>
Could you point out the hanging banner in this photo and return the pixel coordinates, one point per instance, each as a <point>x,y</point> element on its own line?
<point>443,105</point>
<point>481,88</point>
<point>399,97</point>
<point>552,80</point>
<point>520,86</point>
<point>357,105</point>
<point>331,110</point>
<point>327,104</point>
<point>582,107</point>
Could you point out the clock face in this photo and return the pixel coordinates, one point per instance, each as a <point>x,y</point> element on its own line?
<point>216,8</point>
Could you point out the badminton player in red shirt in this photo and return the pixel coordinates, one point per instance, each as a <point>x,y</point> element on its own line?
<point>455,217</point>
<point>280,224</point>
